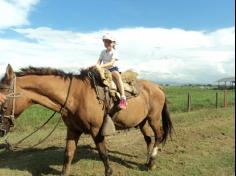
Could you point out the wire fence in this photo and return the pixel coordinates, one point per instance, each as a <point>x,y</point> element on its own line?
<point>186,100</point>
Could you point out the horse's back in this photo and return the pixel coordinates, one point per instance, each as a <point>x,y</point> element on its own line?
<point>152,88</point>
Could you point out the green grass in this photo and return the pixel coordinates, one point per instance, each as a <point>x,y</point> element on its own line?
<point>201,98</point>
<point>203,146</point>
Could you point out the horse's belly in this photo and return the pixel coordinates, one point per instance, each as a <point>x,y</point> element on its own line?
<point>134,114</point>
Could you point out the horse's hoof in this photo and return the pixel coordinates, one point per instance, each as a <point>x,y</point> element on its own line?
<point>152,168</point>
<point>109,172</point>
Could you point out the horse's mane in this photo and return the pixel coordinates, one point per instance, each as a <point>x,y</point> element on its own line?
<point>44,71</point>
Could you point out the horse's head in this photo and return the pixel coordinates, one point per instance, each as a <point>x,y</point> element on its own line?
<point>7,87</point>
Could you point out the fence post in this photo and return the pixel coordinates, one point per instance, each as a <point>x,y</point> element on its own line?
<point>225,98</point>
<point>189,102</point>
<point>216,100</point>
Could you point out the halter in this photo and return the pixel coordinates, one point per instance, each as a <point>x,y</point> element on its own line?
<point>6,111</point>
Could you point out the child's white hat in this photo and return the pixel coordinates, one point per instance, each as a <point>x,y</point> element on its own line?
<point>107,36</point>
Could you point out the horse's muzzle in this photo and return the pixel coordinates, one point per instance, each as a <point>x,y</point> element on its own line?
<point>3,132</point>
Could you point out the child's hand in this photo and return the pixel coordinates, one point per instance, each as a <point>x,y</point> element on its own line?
<point>98,66</point>
<point>93,66</point>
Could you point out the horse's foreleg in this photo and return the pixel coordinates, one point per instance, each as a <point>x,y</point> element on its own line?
<point>101,146</point>
<point>71,144</point>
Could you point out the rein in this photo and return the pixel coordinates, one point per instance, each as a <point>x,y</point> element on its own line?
<point>15,146</point>
<point>91,76</point>
<point>105,101</point>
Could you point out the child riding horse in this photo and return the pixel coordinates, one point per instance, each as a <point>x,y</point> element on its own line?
<point>107,59</point>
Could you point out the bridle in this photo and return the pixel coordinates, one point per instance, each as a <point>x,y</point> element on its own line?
<point>7,110</point>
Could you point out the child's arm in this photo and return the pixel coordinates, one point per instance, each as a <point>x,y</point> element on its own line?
<point>99,62</point>
<point>109,64</point>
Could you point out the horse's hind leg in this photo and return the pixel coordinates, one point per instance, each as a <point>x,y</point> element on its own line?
<point>147,133</point>
<point>71,144</point>
<point>155,123</point>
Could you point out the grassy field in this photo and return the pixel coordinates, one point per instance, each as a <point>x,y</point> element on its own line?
<point>201,97</point>
<point>203,145</point>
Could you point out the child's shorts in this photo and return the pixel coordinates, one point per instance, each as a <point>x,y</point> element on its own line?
<point>113,69</point>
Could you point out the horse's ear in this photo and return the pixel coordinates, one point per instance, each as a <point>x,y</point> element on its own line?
<point>9,72</point>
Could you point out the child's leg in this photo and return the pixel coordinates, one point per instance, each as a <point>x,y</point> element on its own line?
<point>117,76</point>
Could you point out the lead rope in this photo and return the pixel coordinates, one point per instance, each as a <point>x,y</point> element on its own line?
<point>15,146</point>
<point>14,99</point>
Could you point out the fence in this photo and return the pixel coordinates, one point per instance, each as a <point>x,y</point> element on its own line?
<point>188,99</point>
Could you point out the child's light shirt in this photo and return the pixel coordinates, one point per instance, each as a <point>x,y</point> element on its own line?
<point>106,56</point>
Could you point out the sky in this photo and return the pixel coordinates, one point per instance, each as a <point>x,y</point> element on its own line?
<point>184,41</point>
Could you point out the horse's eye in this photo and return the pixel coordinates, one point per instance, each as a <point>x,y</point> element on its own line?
<point>4,108</point>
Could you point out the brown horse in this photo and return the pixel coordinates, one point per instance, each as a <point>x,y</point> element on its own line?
<point>82,112</point>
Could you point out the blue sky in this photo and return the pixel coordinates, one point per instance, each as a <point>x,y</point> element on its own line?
<point>91,15</point>
<point>182,41</point>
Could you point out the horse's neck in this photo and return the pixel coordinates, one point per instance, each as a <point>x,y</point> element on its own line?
<point>48,91</point>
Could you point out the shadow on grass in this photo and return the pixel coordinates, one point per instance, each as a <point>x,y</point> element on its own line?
<point>39,161</point>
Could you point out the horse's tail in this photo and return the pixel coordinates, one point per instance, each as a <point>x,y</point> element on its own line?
<point>166,123</point>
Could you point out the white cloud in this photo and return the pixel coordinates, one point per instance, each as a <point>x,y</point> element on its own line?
<point>15,12</point>
<point>174,55</point>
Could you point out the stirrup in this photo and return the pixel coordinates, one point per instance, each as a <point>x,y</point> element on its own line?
<point>108,127</point>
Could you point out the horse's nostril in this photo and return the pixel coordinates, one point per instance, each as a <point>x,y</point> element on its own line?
<point>1,133</point>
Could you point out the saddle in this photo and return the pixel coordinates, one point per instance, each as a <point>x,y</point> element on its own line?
<point>108,93</point>
<point>105,86</point>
